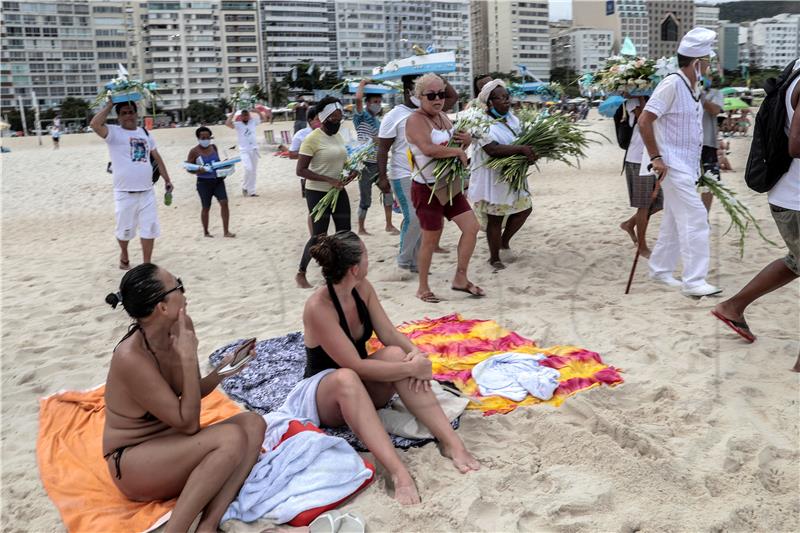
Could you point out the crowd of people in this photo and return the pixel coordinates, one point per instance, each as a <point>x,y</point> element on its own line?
<point>153,443</point>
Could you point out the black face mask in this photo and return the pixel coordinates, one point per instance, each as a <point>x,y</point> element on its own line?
<point>331,128</point>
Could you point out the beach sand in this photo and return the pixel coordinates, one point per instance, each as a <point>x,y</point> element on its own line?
<point>703,434</point>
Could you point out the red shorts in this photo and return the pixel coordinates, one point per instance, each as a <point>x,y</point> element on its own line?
<point>431,215</point>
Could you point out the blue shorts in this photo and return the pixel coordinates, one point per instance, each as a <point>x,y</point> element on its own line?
<point>209,188</point>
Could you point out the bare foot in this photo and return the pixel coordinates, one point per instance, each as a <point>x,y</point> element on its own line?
<point>363,231</point>
<point>302,282</point>
<point>124,264</point>
<point>462,459</point>
<point>644,252</point>
<point>405,492</point>
<point>207,234</point>
<point>230,235</point>
<point>628,227</point>
<point>392,230</point>
<point>440,250</point>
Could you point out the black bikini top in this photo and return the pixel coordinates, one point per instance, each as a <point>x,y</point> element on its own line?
<point>317,359</point>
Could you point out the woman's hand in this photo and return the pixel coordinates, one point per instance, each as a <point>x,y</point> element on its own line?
<point>528,152</point>
<point>463,138</point>
<point>336,184</point>
<point>421,367</point>
<point>182,338</point>
<point>462,156</point>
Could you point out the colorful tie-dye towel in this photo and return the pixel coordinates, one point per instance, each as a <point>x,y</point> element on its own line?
<point>455,345</point>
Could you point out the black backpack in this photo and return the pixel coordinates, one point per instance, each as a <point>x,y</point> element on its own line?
<point>623,128</point>
<point>769,157</point>
<point>153,163</point>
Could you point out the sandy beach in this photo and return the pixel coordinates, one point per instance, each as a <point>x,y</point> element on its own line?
<point>702,436</point>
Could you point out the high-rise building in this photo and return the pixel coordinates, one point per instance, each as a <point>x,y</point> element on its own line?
<point>728,45</point>
<point>706,16</point>
<point>775,41</point>
<point>629,19</point>
<point>669,22</point>
<point>582,49</point>
<point>479,26</point>
<point>518,34</point>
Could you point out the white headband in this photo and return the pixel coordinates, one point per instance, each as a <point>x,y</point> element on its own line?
<point>328,110</point>
<point>487,89</point>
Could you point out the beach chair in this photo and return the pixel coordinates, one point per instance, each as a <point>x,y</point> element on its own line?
<point>286,137</point>
<point>269,135</point>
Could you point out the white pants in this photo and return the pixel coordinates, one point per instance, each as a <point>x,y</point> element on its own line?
<point>250,164</point>
<point>136,210</point>
<point>684,231</point>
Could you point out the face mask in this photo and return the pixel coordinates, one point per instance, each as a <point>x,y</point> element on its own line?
<point>706,83</point>
<point>374,108</point>
<point>415,101</point>
<point>495,114</point>
<point>205,143</point>
<point>331,128</point>
<point>697,72</point>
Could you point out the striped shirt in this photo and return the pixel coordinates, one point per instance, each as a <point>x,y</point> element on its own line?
<point>679,128</point>
<point>367,127</point>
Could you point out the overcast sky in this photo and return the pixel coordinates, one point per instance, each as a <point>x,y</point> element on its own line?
<point>562,9</point>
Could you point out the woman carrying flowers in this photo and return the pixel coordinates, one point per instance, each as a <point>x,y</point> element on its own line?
<point>321,159</point>
<point>429,132</point>
<point>492,198</point>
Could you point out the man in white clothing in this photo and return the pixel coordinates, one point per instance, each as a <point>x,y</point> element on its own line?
<point>130,148</point>
<point>245,126</point>
<point>672,130</point>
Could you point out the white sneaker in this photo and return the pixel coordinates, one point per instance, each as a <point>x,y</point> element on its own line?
<point>702,290</point>
<point>666,279</point>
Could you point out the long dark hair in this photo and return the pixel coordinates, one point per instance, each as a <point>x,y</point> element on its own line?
<point>336,254</point>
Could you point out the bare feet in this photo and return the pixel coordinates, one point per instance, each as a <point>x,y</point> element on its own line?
<point>302,282</point>
<point>497,264</point>
<point>627,226</point>
<point>362,231</point>
<point>462,459</point>
<point>405,491</point>
<point>440,250</point>
<point>207,234</point>
<point>230,235</point>
<point>392,230</point>
<point>124,264</point>
<point>644,252</point>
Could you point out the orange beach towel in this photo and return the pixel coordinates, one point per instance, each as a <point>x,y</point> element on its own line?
<point>74,474</point>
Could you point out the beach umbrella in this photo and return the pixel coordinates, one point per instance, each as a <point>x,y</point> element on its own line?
<point>609,107</point>
<point>728,90</point>
<point>734,104</point>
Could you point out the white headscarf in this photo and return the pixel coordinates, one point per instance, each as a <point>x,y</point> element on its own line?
<point>483,96</point>
<point>328,110</point>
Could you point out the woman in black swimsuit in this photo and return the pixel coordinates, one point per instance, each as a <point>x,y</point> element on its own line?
<point>152,440</point>
<point>338,320</point>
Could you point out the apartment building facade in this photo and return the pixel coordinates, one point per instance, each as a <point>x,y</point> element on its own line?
<point>518,33</point>
<point>775,41</point>
<point>668,21</point>
<point>728,45</point>
<point>582,49</point>
<point>629,19</point>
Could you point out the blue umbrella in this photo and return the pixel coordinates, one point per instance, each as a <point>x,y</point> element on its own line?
<point>610,105</point>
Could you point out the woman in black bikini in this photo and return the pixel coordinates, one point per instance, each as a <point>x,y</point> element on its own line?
<point>152,438</point>
<point>338,320</point>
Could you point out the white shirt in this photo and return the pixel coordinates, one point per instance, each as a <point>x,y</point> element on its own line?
<point>299,137</point>
<point>247,133</point>
<point>786,193</point>
<point>130,158</point>
<point>679,128</point>
<point>483,183</point>
<point>636,146</point>
<point>393,126</point>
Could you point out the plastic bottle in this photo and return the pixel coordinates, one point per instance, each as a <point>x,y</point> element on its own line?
<point>168,198</point>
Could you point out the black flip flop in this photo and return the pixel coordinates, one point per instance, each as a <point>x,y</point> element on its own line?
<point>466,289</point>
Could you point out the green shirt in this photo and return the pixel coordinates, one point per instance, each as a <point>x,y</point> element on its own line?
<point>328,155</point>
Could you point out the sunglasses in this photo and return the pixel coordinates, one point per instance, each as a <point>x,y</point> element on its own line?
<point>435,96</point>
<point>178,287</point>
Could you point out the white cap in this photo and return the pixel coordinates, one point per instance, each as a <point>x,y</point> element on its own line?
<point>697,43</point>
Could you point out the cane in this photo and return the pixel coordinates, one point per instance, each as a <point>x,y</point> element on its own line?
<point>636,257</point>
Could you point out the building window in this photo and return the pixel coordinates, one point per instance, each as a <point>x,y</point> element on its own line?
<point>669,29</point>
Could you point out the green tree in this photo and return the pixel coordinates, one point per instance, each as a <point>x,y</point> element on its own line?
<point>568,79</point>
<point>309,81</point>
<point>72,107</point>
<point>203,112</point>
<point>280,92</point>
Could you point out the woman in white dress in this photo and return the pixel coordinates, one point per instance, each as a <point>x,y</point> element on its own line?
<point>494,202</point>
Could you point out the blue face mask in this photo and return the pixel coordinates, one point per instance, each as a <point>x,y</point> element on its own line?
<point>495,114</point>
<point>707,82</point>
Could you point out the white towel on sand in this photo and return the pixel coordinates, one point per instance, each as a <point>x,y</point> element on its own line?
<point>515,375</point>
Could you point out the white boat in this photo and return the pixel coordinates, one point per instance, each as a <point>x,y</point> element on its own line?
<point>439,63</point>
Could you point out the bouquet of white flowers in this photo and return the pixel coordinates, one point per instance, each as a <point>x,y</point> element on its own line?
<point>357,156</point>
<point>124,89</point>
<point>635,76</point>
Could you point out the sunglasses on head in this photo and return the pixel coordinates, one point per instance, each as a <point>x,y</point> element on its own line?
<point>178,287</point>
<point>435,96</point>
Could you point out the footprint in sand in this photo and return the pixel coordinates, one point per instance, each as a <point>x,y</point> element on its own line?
<point>777,470</point>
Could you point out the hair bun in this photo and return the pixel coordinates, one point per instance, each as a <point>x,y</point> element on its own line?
<point>113,299</point>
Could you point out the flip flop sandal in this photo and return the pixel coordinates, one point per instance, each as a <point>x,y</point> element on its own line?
<point>471,289</point>
<point>739,327</point>
<point>124,265</point>
<point>429,298</point>
<point>497,265</point>
<point>351,523</point>
<point>325,523</point>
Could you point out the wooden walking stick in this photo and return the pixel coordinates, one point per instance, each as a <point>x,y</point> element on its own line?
<point>636,257</point>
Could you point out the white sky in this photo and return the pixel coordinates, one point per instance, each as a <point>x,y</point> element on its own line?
<point>562,9</point>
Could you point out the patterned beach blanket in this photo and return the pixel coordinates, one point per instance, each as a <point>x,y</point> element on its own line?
<point>279,365</point>
<point>457,344</point>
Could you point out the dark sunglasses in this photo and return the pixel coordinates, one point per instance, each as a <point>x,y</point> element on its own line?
<point>435,96</point>
<point>178,287</point>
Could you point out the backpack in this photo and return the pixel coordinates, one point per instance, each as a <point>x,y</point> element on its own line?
<point>769,157</point>
<point>623,128</point>
<point>153,164</point>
